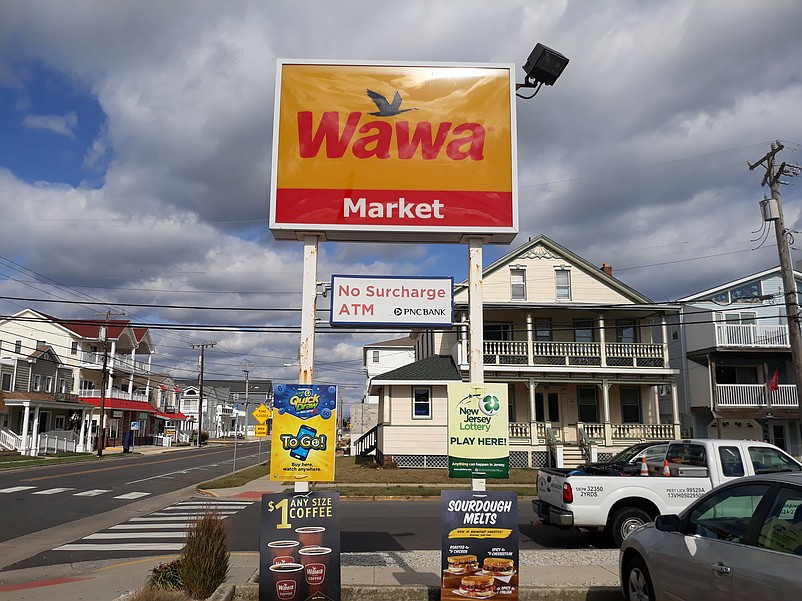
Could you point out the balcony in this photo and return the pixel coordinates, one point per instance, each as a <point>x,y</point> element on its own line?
<point>114,394</point>
<point>593,354</point>
<point>754,335</point>
<point>117,361</point>
<point>756,395</point>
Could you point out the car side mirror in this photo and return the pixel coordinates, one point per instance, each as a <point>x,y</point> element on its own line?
<point>667,523</point>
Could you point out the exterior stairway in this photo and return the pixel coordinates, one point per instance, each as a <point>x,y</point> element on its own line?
<point>572,455</point>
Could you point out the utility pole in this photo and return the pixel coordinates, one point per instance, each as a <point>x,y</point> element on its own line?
<point>772,178</point>
<point>202,348</point>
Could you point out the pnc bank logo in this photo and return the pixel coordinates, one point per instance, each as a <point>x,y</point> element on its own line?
<point>355,134</point>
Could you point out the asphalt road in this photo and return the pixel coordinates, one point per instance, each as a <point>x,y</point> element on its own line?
<point>58,514</point>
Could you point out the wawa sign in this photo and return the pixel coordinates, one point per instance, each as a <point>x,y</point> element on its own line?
<point>386,152</point>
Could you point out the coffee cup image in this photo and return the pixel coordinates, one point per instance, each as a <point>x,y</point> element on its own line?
<point>286,577</point>
<point>315,560</point>
<point>310,535</point>
<point>283,551</point>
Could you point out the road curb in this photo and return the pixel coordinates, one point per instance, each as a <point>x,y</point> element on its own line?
<point>362,592</point>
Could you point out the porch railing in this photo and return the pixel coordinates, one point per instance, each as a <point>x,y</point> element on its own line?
<point>521,432</point>
<point>122,362</point>
<point>754,335</point>
<point>544,353</point>
<point>643,431</point>
<point>57,442</point>
<point>756,395</point>
<point>10,440</point>
<point>94,393</point>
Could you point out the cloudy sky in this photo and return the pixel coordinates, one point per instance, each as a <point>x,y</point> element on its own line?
<point>135,152</point>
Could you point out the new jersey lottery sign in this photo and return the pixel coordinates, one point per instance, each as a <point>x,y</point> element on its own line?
<point>385,151</point>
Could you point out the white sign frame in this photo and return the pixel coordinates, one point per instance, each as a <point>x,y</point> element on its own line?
<point>393,301</point>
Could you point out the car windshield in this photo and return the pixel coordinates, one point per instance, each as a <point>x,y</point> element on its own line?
<point>628,454</point>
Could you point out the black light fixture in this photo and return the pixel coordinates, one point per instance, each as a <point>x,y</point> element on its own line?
<point>543,67</point>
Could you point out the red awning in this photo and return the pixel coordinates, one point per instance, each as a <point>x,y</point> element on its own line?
<point>162,386</point>
<point>178,390</point>
<point>112,403</point>
<point>176,415</point>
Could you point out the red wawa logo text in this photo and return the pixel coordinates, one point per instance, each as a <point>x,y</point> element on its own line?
<point>384,139</point>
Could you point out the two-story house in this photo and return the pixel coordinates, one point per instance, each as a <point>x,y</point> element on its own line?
<point>732,345</point>
<point>37,413</point>
<point>96,351</point>
<point>583,356</point>
<point>227,406</point>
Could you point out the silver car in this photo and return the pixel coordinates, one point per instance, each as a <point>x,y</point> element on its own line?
<point>740,541</point>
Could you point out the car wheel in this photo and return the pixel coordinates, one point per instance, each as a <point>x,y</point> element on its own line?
<point>625,521</point>
<point>637,582</point>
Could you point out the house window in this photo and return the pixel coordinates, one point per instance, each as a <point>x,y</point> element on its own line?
<point>630,405</point>
<point>37,383</point>
<point>62,385</point>
<point>41,343</point>
<point>18,346</point>
<point>49,384</point>
<point>421,403</point>
<point>59,422</point>
<point>543,329</point>
<point>737,374</point>
<point>588,404</point>
<point>7,382</point>
<point>583,330</point>
<point>74,348</point>
<point>626,330</point>
<point>518,284</point>
<point>375,355</point>
<point>498,331</point>
<point>511,402</point>
<point>562,284</point>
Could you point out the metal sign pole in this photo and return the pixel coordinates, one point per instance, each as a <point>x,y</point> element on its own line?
<point>476,326</point>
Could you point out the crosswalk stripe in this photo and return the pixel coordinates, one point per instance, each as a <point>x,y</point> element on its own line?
<point>133,495</point>
<point>128,526</point>
<point>121,547</point>
<point>51,491</point>
<point>150,519</point>
<point>91,493</point>
<point>132,535</point>
<point>16,489</point>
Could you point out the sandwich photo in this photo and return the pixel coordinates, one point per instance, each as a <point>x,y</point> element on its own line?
<point>498,566</point>
<point>463,564</point>
<point>477,586</point>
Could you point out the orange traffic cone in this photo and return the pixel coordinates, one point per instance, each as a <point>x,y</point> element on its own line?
<point>644,469</point>
<point>666,469</point>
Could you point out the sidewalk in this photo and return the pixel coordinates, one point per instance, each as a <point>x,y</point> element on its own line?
<point>557,575</point>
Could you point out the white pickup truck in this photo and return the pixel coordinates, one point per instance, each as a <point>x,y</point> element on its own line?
<point>616,505</point>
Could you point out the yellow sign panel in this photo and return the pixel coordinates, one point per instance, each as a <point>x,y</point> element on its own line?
<point>260,431</point>
<point>375,150</point>
<point>261,413</point>
<point>304,433</point>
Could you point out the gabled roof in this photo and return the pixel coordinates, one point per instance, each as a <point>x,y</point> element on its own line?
<point>437,368</point>
<point>395,342</point>
<point>42,351</point>
<point>760,275</point>
<point>570,256</point>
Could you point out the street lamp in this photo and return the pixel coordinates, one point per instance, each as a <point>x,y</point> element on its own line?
<point>543,67</point>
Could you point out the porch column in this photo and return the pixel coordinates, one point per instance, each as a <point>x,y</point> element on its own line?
<point>530,341</point>
<point>147,385</point>
<point>655,410</point>
<point>675,411</point>
<point>664,333</point>
<point>34,447</point>
<point>110,366</point>
<point>82,433</point>
<point>602,342</point>
<point>608,428</point>
<point>533,438</point>
<point>26,420</point>
<point>386,404</point>
<point>131,377</point>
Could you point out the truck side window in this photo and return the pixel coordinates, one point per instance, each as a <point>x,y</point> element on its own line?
<point>689,454</point>
<point>731,462</point>
<point>767,459</point>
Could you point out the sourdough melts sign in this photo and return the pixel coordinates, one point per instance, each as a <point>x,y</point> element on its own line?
<point>385,152</point>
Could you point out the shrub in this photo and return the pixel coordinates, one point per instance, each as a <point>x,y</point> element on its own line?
<point>204,558</point>
<point>166,576</point>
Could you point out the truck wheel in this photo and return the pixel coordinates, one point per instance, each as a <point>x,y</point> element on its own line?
<point>637,581</point>
<point>624,521</point>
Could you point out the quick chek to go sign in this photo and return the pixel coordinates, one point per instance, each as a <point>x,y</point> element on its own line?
<point>392,301</point>
<point>403,153</point>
